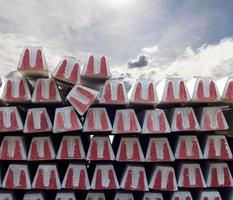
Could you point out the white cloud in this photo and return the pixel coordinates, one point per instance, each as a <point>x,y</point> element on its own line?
<point>150,50</point>
<point>209,60</point>
<point>214,60</point>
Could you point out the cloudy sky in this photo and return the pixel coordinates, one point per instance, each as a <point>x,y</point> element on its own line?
<point>141,38</point>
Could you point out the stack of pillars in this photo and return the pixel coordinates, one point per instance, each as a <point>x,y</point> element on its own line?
<point>81,135</point>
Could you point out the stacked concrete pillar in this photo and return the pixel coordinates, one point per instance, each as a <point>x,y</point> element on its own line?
<point>77,133</point>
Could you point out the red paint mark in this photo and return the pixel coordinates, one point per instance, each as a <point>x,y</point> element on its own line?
<point>120,123</point>
<point>123,152</point>
<point>91,121</point>
<point>162,124</point>
<point>69,180</point>
<point>106,153</point>
<point>30,122</point>
<point>207,121</point>
<point>4,150</point>
<point>90,66</point>
<point>198,177</point>
<point>85,92</point>
<point>52,91</point>
<point>136,154</point>
<point>150,123</point>
<point>77,153</point>
<point>79,105</point>
<point>200,90</point>
<point>98,182</point>
<point>2,125</point>
<point>214,178</point>
<point>61,71</point>
<point>17,153</point>
<point>224,151</point>
<point>133,124</point>
<point>10,179</point>
<point>53,180</point>
<point>25,61</point>
<point>74,73</point>
<point>112,184</point>
<point>34,151</point>
<point>47,150</point>
<point>108,93</point>
<point>8,94</point>
<point>179,122</point>
<point>195,150</point>
<point>120,93</point>
<point>153,152</point>
<point>64,150</point>
<point>212,149</point>
<point>186,182</point>
<point>39,95</point>
<point>60,122</point>
<point>229,91</point>
<point>103,67</point>
<point>141,181</point>
<point>213,91</point>
<point>74,121</point>
<point>14,123</point>
<point>170,181</point>
<point>166,152</point>
<point>39,60</point>
<point>82,179</point>
<point>22,180</point>
<point>227,180</point>
<point>192,121</point>
<point>43,122</point>
<point>129,180</point>
<point>151,93</point>
<point>104,121</point>
<point>158,181</point>
<point>94,150</point>
<point>170,93</point>
<point>138,93</point>
<point>22,91</point>
<point>182,150</point>
<point>183,93</point>
<point>220,121</point>
<point>40,179</point>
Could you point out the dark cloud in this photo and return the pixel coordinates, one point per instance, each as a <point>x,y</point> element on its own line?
<point>141,61</point>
